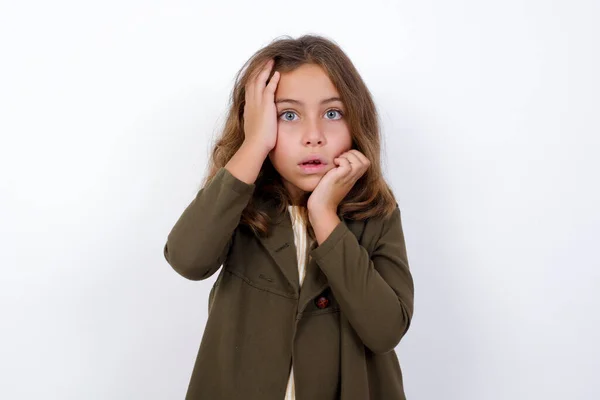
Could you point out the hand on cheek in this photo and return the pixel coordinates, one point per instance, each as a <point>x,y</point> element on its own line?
<point>338,181</point>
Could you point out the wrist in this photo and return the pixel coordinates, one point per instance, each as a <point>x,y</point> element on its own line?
<point>321,211</point>
<point>324,224</point>
<point>256,148</point>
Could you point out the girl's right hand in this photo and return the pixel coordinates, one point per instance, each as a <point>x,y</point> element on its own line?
<point>260,112</point>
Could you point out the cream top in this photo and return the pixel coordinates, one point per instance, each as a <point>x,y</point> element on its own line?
<point>302,242</point>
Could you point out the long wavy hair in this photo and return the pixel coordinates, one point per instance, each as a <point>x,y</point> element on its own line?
<point>370,196</point>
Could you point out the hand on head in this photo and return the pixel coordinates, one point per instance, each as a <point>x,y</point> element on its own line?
<point>260,112</point>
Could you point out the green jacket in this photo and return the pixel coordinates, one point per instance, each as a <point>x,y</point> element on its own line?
<point>339,330</point>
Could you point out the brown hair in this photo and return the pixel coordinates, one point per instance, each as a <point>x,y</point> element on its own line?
<point>370,195</point>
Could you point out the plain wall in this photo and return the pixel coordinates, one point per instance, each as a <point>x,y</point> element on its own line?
<point>489,114</point>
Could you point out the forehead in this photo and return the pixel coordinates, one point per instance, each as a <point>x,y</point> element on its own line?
<point>308,83</point>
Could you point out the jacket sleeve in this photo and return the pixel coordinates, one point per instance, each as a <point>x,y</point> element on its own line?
<point>200,240</point>
<point>375,293</point>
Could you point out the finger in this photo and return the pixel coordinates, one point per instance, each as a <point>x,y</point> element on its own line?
<point>344,165</point>
<point>258,70</point>
<point>365,163</point>
<point>272,85</point>
<point>358,154</point>
<point>356,168</point>
<point>250,87</point>
<point>353,159</point>
<point>345,171</point>
<point>248,93</point>
<point>261,80</point>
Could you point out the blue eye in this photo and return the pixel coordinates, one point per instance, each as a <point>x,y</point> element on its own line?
<point>287,113</point>
<point>330,113</point>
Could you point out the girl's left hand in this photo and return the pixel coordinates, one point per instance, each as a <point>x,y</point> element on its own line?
<point>337,182</point>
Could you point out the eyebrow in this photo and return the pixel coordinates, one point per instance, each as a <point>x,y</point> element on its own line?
<point>329,100</point>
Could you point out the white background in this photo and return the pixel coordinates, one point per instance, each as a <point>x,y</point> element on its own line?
<point>490,113</point>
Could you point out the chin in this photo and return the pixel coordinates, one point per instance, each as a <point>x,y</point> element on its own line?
<point>308,184</point>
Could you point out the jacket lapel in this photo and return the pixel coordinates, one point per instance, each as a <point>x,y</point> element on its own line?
<point>315,282</point>
<point>280,245</point>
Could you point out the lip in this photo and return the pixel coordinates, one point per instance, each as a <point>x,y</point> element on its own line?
<point>312,168</point>
<point>313,157</point>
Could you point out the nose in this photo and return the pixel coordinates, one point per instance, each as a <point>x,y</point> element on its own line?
<point>313,135</point>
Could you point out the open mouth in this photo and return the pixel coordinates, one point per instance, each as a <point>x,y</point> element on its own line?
<point>314,162</point>
<point>312,166</point>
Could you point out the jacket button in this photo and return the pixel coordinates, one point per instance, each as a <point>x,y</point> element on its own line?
<point>322,302</point>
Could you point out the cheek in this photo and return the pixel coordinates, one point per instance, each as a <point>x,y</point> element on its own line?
<point>285,139</point>
<point>342,138</point>
<point>284,131</point>
<point>282,150</point>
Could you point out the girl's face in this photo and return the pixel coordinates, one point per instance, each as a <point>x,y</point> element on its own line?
<point>311,121</point>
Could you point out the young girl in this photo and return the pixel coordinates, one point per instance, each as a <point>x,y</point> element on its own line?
<point>315,290</point>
